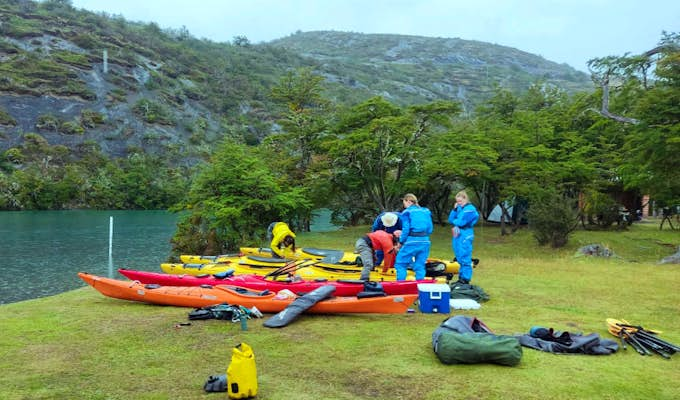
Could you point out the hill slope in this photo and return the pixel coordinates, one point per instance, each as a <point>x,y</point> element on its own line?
<point>408,69</point>
<point>169,93</point>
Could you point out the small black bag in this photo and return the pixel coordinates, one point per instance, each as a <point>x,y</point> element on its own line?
<point>220,311</point>
<point>200,313</point>
<point>373,287</point>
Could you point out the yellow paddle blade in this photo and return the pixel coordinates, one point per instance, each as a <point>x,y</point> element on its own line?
<point>614,326</point>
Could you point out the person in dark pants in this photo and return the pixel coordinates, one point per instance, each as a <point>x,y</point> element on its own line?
<point>367,247</point>
<point>463,217</point>
<point>389,222</point>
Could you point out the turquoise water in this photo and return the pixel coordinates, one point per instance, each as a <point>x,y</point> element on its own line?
<point>43,251</point>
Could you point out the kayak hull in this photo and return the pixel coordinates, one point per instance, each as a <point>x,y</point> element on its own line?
<point>249,266</point>
<point>197,296</point>
<point>256,282</point>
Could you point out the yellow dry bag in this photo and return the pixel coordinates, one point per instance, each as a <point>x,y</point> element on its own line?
<point>242,374</point>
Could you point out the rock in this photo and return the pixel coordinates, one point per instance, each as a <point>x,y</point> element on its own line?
<point>596,250</point>
<point>672,259</point>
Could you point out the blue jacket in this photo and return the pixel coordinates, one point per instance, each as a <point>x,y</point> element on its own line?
<point>416,222</point>
<point>378,224</point>
<point>464,217</point>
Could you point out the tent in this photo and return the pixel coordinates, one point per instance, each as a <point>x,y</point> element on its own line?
<point>516,209</point>
<point>496,213</point>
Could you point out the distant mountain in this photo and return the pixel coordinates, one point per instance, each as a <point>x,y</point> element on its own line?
<point>413,69</point>
<point>77,78</point>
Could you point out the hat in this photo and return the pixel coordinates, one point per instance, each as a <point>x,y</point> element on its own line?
<point>389,219</point>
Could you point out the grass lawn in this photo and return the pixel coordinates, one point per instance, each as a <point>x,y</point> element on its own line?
<point>82,345</point>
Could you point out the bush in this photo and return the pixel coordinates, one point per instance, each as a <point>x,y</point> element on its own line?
<point>6,119</point>
<point>71,128</point>
<point>90,119</point>
<point>601,210</point>
<point>153,112</point>
<point>14,155</point>
<point>47,122</point>
<point>552,218</point>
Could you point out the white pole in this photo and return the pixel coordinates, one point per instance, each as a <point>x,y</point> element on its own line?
<point>111,247</point>
<point>110,236</point>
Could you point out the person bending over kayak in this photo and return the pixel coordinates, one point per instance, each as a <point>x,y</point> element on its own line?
<point>282,240</point>
<point>414,241</point>
<point>367,247</point>
<point>389,222</point>
<point>463,217</point>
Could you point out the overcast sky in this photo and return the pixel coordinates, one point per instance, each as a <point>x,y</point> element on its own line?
<point>564,31</point>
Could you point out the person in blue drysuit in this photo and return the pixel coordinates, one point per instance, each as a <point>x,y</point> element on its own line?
<point>414,241</point>
<point>463,217</point>
<point>389,222</point>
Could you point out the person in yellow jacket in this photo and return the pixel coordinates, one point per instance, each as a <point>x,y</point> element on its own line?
<point>282,240</point>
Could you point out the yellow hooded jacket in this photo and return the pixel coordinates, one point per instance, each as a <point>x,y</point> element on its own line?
<point>279,232</point>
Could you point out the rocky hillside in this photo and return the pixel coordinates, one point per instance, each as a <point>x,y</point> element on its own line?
<point>407,69</point>
<point>76,77</point>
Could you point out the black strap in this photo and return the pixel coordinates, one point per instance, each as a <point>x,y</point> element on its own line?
<point>418,234</point>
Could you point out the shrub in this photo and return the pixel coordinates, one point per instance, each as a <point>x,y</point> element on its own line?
<point>552,218</point>
<point>86,41</point>
<point>71,128</point>
<point>153,112</point>
<point>14,155</point>
<point>90,118</point>
<point>70,58</point>
<point>6,119</point>
<point>600,209</point>
<point>47,122</point>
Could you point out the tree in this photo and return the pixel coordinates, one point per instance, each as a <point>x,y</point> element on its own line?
<point>304,120</point>
<point>455,159</point>
<point>376,151</point>
<point>651,143</point>
<point>232,200</point>
<point>538,145</point>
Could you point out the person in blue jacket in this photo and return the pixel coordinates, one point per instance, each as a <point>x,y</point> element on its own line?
<point>463,217</point>
<point>389,222</point>
<point>414,241</point>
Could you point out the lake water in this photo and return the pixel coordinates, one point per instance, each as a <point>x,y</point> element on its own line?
<point>42,251</point>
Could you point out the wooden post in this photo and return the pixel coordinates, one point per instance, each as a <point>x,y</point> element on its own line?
<point>645,206</point>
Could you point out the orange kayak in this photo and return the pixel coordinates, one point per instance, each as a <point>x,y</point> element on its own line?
<point>197,296</point>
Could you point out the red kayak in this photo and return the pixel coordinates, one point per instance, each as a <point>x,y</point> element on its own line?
<point>257,282</point>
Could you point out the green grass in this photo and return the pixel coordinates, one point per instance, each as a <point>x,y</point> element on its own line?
<point>81,345</point>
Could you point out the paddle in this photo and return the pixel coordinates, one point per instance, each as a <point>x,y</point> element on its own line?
<point>286,268</point>
<point>643,340</point>
<point>290,267</point>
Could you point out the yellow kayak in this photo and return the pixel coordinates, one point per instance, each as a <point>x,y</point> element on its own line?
<point>260,266</point>
<point>261,256</point>
<point>328,255</point>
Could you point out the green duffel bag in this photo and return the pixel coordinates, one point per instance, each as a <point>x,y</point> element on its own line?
<point>472,348</point>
